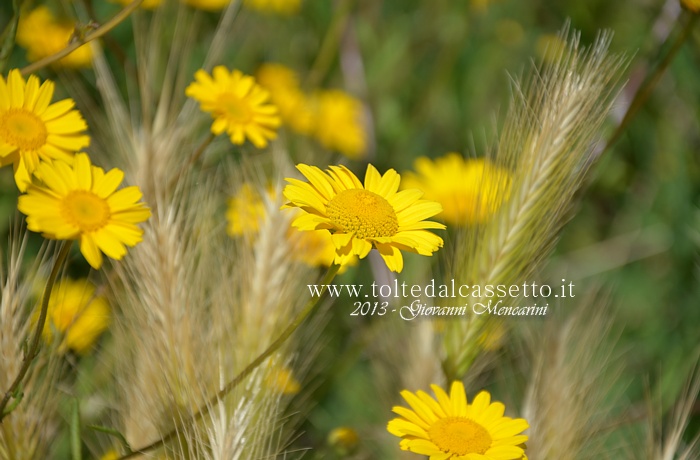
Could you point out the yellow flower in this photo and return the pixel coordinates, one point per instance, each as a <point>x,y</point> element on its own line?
<point>343,440</point>
<point>42,35</point>
<point>208,5</point>
<point>238,105</point>
<point>274,6</point>
<point>338,123</point>
<point>33,129</point>
<point>77,315</point>
<point>362,217</point>
<point>281,380</point>
<point>469,190</point>
<point>285,91</point>
<point>111,454</point>
<point>245,212</point>
<point>146,5</point>
<point>81,202</point>
<point>549,47</point>
<point>447,427</point>
<point>315,248</point>
<point>692,5</point>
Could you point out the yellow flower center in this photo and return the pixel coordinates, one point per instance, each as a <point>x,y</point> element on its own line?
<point>85,210</point>
<point>363,213</point>
<point>460,436</point>
<point>23,129</point>
<point>234,108</point>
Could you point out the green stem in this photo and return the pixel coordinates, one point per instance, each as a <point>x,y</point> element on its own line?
<point>34,347</point>
<point>97,33</point>
<point>193,159</point>
<point>308,309</point>
<point>329,46</point>
<point>651,81</point>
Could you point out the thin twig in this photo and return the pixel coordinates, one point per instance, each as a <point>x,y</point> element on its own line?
<point>97,33</point>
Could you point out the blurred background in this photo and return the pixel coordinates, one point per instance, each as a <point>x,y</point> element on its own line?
<point>434,76</point>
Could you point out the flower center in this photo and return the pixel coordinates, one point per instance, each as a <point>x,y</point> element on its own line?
<point>23,129</point>
<point>85,210</point>
<point>234,108</point>
<point>460,436</point>
<point>363,213</point>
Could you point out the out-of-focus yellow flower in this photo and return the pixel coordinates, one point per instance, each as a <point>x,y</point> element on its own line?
<point>343,440</point>
<point>42,35</point>
<point>469,190</point>
<point>146,4</point>
<point>32,129</point>
<point>285,91</point>
<point>75,316</point>
<point>245,212</point>
<point>274,6</point>
<point>281,380</point>
<point>692,5</point>
<point>339,123</point>
<point>549,47</point>
<point>110,455</point>
<point>315,248</point>
<point>239,105</point>
<point>208,5</point>
<point>80,201</point>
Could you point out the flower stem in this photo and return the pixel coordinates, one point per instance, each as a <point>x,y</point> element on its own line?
<point>34,346</point>
<point>308,309</point>
<point>193,159</point>
<point>651,81</point>
<point>97,33</point>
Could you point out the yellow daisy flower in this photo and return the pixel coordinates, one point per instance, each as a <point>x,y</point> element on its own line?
<point>274,6</point>
<point>469,190</point>
<point>339,123</point>
<point>77,314</point>
<point>81,201</point>
<point>362,217</point>
<point>447,427</point>
<point>42,35</point>
<point>238,105</point>
<point>33,129</point>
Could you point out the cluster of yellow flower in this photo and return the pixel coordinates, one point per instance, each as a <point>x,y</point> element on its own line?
<point>332,117</point>
<point>66,198</point>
